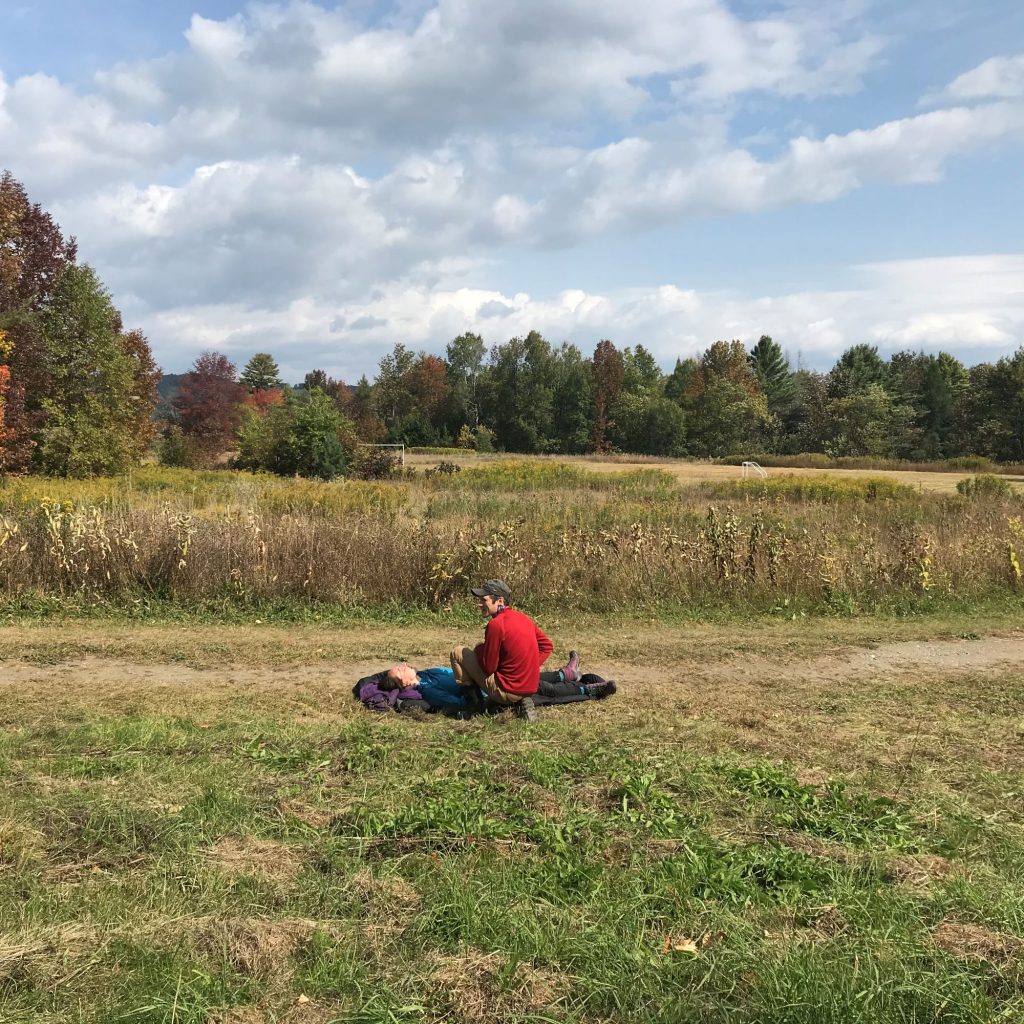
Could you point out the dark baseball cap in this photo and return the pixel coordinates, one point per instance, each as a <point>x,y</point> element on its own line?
<point>493,588</point>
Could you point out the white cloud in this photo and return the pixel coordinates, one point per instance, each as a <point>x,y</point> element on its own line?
<point>295,177</point>
<point>968,304</point>
<point>995,78</point>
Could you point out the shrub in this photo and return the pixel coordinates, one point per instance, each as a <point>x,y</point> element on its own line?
<point>177,450</point>
<point>374,464</point>
<point>985,485</point>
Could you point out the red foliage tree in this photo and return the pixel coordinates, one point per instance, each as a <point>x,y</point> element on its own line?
<point>262,400</point>
<point>33,254</point>
<point>209,405</point>
<point>427,381</point>
<point>609,372</point>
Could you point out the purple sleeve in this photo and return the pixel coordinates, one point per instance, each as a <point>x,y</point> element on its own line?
<point>377,699</point>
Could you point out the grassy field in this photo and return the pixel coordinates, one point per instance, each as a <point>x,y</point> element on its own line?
<point>804,804</point>
<point>800,821</point>
<point>687,472</point>
<point>578,535</point>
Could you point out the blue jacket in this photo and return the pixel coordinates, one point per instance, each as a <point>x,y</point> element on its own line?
<point>439,688</point>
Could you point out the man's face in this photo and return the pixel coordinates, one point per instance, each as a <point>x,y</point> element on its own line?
<point>489,605</point>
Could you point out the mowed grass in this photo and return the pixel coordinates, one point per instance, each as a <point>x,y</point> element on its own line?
<point>721,841</point>
<point>687,471</point>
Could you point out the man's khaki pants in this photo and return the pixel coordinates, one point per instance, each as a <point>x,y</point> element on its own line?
<point>468,671</point>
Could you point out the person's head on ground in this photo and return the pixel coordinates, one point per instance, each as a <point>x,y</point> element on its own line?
<point>402,675</point>
<point>491,596</point>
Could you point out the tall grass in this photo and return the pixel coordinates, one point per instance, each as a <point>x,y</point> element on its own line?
<point>561,536</point>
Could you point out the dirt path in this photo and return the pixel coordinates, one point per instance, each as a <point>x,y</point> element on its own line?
<point>717,674</point>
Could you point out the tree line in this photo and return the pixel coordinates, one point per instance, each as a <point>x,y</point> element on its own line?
<point>78,392</point>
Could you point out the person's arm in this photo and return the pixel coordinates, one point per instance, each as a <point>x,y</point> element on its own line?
<point>544,645</point>
<point>488,657</point>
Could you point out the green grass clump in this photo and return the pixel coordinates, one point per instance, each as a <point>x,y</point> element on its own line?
<point>825,490</point>
<point>984,486</point>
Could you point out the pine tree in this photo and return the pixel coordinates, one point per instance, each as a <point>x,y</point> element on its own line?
<point>261,374</point>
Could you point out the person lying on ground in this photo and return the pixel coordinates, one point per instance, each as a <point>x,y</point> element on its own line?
<point>404,688</point>
<point>506,666</point>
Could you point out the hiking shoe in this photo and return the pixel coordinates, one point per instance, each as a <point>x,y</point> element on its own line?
<point>598,691</point>
<point>526,710</point>
<point>571,669</point>
<point>411,707</point>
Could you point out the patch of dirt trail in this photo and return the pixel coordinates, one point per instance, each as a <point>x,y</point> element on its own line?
<point>721,676</point>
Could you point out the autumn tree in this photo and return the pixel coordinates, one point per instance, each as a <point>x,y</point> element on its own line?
<point>33,255</point>
<point>101,382</point>
<point>208,406</point>
<point>725,402</point>
<point>608,374</point>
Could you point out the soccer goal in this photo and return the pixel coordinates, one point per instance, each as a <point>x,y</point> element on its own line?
<point>753,469</point>
<point>400,447</point>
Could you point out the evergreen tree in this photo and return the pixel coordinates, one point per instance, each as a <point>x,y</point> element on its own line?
<point>856,370</point>
<point>90,416</point>
<point>261,374</point>
<point>772,369</point>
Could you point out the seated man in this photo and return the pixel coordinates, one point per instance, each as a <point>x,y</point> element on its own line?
<point>506,666</point>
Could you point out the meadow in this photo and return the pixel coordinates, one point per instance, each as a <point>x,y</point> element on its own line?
<point>803,805</point>
<point>776,822</point>
<point>564,534</point>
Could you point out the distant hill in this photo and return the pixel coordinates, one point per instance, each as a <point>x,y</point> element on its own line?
<point>167,388</point>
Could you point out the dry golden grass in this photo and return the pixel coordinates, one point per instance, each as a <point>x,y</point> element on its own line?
<point>687,471</point>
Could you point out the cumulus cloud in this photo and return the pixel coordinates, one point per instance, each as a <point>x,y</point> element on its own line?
<point>296,176</point>
<point>970,304</point>
<point>995,78</point>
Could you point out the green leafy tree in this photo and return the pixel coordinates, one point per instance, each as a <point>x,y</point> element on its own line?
<point>649,425</point>
<point>261,373</point>
<point>677,384</point>
<point>868,422</point>
<point>391,390</point>
<point>572,400</point>
<point>725,403</point>
<point>306,436</point>
<point>465,362</point>
<point>521,382</point>
<point>998,408</point>
<point>90,414</point>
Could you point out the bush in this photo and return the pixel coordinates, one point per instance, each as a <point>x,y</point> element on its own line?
<point>176,450</point>
<point>985,485</point>
<point>374,464</point>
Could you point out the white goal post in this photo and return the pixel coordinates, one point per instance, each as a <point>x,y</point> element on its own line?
<point>399,446</point>
<point>753,468</point>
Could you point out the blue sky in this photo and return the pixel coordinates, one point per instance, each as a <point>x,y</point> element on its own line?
<point>322,180</point>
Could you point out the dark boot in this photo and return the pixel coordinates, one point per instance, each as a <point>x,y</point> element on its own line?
<point>600,690</point>
<point>526,710</point>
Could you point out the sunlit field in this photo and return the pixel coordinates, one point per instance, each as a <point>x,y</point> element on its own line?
<point>568,534</point>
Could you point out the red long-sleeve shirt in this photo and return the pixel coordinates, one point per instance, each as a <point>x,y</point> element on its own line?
<point>514,649</point>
